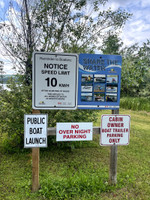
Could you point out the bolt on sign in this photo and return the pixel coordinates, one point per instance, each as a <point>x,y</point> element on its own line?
<point>35,130</point>
<point>115,129</point>
<point>55,80</point>
<point>99,81</point>
<point>74,131</point>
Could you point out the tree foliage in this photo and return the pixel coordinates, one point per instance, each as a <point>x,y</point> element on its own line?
<point>51,26</point>
<point>135,70</point>
<point>1,71</point>
<point>14,103</point>
<point>135,77</point>
<point>112,44</point>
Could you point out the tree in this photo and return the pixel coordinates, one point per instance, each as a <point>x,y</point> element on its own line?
<point>1,72</point>
<point>48,25</point>
<point>144,56</point>
<point>135,70</point>
<point>112,44</point>
<point>135,76</point>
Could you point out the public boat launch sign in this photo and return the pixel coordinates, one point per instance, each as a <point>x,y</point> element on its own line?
<point>115,129</point>
<point>35,130</point>
<point>74,131</point>
<point>55,80</point>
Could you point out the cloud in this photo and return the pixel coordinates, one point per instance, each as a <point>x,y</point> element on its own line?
<point>136,30</point>
<point>2,5</point>
<point>145,3</point>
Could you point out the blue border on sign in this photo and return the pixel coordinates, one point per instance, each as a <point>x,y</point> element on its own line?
<point>99,81</point>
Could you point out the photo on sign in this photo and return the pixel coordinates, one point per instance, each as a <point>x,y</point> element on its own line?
<point>112,79</point>
<point>99,88</point>
<point>87,78</point>
<point>111,97</point>
<point>86,88</point>
<point>99,78</point>
<point>86,96</point>
<point>111,88</point>
<point>99,97</point>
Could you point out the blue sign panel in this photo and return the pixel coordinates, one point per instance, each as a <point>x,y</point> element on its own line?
<point>99,81</point>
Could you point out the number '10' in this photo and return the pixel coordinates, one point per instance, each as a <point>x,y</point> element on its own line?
<point>52,82</point>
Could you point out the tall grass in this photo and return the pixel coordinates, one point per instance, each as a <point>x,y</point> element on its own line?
<point>76,185</point>
<point>135,103</point>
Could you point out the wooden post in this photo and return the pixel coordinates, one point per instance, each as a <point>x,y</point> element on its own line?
<point>35,164</point>
<point>113,160</point>
<point>35,169</point>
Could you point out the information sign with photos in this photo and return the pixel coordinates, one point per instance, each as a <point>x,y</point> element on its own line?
<point>99,81</point>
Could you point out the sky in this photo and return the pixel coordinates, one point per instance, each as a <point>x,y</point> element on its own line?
<point>136,30</point>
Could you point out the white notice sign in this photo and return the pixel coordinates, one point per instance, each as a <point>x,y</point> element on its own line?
<point>55,81</point>
<point>35,130</point>
<point>115,129</point>
<point>74,131</point>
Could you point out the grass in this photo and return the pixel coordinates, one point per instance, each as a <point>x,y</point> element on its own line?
<point>135,103</point>
<point>82,173</point>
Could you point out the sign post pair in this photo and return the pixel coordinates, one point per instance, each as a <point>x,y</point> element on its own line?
<point>64,81</point>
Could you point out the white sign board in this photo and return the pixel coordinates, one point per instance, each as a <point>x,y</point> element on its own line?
<point>55,81</point>
<point>35,130</point>
<point>115,129</point>
<point>74,131</point>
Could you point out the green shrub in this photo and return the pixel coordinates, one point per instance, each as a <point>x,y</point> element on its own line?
<point>135,103</point>
<point>18,101</point>
<point>13,105</point>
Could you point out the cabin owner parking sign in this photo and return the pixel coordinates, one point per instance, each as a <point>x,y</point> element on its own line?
<point>35,130</point>
<point>115,129</point>
<point>55,80</point>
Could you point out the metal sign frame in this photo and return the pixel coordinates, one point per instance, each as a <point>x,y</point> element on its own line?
<point>55,80</point>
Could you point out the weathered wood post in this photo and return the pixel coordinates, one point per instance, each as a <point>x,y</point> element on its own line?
<point>35,164</point>
<point>113,160</point>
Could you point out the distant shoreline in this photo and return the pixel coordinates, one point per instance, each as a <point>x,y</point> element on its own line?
<point>4,78</point>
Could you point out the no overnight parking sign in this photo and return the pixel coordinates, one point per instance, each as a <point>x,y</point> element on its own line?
<point>55,80</point>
